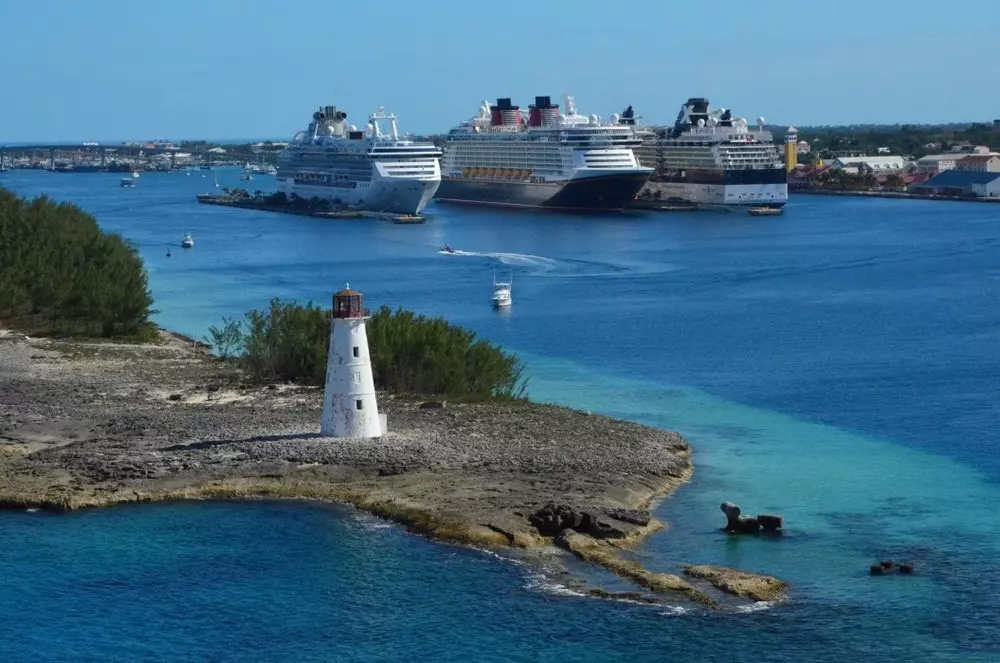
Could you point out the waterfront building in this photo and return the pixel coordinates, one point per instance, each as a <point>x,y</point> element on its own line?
<point>350,408</point>
<point>870,164</point>
<point>937,163</point>
<point>961,183</point>
<point>980,163</point>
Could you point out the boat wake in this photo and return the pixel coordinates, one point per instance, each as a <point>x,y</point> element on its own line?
<point>536,263</point>
<point>540,266</point>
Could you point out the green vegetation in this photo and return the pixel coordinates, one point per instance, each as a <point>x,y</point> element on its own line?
<point>908,140</point>
<point>59,274</point>
<point>410,353</point>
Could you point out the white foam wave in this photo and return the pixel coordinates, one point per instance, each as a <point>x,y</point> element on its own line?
<point>539,582</point>
<point>755,607</point>
<point>674,611</point>
<point>495,555</point>
<point>32,510</point>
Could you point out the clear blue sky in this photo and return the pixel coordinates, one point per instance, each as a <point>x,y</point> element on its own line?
<point>113,69</point>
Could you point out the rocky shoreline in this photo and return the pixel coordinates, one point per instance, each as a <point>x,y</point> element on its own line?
<point>85,424</point>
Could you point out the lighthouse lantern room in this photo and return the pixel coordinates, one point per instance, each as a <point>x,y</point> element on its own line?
<point>349,405</point>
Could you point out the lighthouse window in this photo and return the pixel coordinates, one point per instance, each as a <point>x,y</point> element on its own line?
<point>358,404</point>
<point>357,351</point>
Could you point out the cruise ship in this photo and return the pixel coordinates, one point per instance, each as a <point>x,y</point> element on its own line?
<point>370,169</point>
<point>709,158</point>
<point>541,158</point>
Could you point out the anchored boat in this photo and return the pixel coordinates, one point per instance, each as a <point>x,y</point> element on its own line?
<point>501,292</point>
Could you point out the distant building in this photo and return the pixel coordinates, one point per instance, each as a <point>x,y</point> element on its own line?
<point>937,163</point>
<point>961,183</point>
<point>909,179</point>
<point>870,164</point>
<point>884,150</point>
<point>980,163</point>
<point>965,147</point>
<point>803,147</point>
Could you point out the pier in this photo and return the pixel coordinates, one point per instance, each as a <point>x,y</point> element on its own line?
<point>304,208</point>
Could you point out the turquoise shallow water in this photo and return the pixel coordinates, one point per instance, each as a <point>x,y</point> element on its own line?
<point>837,364</point>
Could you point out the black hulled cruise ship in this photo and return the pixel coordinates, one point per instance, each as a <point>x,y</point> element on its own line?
<point>541,158</point>
<point>710,157</point>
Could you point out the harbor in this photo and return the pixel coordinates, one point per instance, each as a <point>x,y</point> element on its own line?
<point>688,350</point>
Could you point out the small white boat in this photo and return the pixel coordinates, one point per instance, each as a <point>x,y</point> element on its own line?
<point>188,241</point>
<point>501,292</point>
<point>765,210</point>
<point>135,174</point>
<point>127,182</point>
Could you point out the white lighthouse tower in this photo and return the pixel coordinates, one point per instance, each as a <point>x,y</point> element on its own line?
<point>349,406</point>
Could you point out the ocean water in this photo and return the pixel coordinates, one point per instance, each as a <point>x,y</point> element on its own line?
<point>836,364</point>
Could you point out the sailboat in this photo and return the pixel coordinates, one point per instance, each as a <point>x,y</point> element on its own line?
<point>216,179</point>
<point>501,291</point>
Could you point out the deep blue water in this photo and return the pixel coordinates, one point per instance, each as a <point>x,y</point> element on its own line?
<point>837,364</point>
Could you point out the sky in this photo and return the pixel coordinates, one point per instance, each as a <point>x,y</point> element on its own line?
<point>228,69</point>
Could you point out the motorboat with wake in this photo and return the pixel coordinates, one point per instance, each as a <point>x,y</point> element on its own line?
<point>501,292</point>
<point>447,249</point>
<point>188,241</point>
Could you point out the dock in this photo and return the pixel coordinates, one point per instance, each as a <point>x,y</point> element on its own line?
<point>266,205</point>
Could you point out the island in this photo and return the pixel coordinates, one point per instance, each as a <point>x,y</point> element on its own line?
<point>99,407</point>
<point>98,423</point>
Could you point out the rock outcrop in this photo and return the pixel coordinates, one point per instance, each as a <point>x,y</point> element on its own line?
<point>737,523</point>
<point>615,523</point>
<point>607,556</point>
<point>740,583</point>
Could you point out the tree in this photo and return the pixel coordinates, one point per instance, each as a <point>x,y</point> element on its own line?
<point>59,273</point>
<point>226,339</point>
<point>409,353</point>
<point>894,182</point>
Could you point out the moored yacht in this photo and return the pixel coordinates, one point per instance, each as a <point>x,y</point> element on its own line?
<point>501,292</point>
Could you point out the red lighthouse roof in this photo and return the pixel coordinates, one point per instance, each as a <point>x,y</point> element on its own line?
<point>348,304</point>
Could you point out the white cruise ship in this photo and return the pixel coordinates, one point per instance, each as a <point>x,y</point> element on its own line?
<point>710,158</point>
<point>371,169</point>
<point>541,158</point>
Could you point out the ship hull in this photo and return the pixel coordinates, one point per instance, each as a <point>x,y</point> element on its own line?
<point>719,187</point>
<point>602,193</point>
<point>393,195</point>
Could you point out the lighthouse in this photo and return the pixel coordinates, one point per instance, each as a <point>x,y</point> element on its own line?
<point>349,405</point>
<point>791,149</point>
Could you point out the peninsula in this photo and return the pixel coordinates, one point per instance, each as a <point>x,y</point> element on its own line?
<point>85,424</point>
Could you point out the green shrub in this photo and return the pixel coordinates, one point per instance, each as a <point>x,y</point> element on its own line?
<point>410,353</point>
<point>60,274</point>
